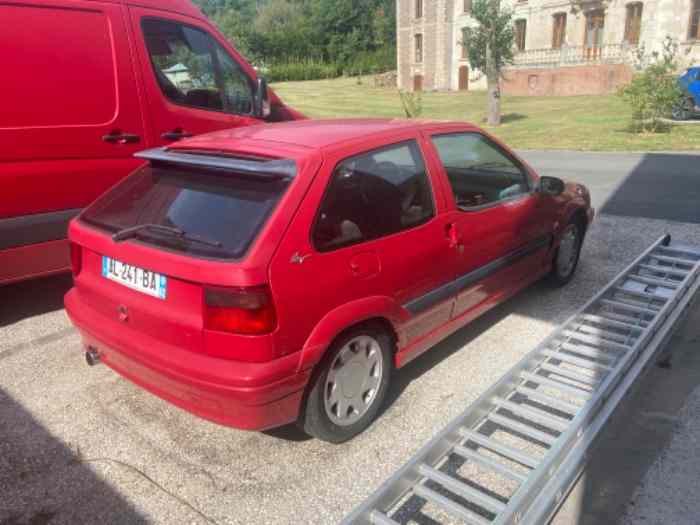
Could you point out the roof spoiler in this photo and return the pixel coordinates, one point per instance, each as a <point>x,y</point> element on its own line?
<point>264,169</point>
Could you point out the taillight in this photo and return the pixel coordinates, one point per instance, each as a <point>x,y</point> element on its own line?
<point>248,311</point>
<point>76,258</point>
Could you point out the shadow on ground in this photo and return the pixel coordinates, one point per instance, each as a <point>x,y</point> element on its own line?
<point>512,117</point>
<point>43,481</point>
<point>661,186</point>
<point>29,298</point>
<point>640,428</point>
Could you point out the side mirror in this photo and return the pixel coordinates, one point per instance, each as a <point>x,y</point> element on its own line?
<point>262,100</point>
<point>551,186</point>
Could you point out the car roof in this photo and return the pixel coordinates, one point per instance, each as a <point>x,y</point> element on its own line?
<point>314,134</point>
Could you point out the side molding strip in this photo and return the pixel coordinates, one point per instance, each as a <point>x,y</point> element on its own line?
<point>444,292</point>
<point>33,229</point>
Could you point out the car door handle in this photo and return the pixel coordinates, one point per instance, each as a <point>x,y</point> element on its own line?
<point>176,134</point>
<point>452,235</point>
<point>117,137</point>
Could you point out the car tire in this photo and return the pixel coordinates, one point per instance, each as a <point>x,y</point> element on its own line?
<point>682,110</point>
<point>567,255</point>
<point>349,386</point>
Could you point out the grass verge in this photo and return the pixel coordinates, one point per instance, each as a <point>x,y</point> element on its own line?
<point>592,123</point>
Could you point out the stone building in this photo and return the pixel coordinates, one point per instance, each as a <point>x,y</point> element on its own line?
<point>563,46</point>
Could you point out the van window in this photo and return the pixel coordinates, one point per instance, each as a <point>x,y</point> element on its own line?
<point>480,173</point>
<point>192,69</point>
<point>372,195</point>
<point>223,209</point>
<point>52,73</point>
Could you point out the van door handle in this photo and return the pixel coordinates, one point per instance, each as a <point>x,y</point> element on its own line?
<point>176,134</point>
<point>117,137</point>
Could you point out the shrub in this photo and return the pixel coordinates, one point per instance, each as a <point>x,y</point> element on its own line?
<point>654,92</point>
<point>372,62</point>
<point>412,102</point>
<point>307,69</point>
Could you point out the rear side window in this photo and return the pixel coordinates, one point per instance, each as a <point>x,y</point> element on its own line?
<point>192,69</point>
<point>480,173</point>
<point>57,67</point>
<point>219,213</point>
<point>372,195</point>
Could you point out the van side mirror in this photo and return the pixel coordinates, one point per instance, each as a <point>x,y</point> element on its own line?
<point>551,186</point>
<point>262,99</point>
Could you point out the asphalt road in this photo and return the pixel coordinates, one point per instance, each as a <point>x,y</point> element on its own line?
<point>82,445</point>
<point>651,185</point>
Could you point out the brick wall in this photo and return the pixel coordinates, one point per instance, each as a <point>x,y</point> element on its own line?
<point>575,80</point>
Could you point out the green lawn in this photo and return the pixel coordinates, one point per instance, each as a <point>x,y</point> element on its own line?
<point>598,123</point>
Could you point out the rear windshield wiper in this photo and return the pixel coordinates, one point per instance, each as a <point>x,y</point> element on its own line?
<point>127,233</point>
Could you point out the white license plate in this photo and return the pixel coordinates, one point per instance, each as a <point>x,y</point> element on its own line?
<point>144,281</point>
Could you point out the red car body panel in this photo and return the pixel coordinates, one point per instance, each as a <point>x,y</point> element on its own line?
<point>257,382</point>
<point>99,81</point>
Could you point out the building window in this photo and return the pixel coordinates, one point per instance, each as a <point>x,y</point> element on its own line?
<point>467,6</point>
<point>520,29</point>
<point>419,48</point>
<point>593,40</point>
<point>463,43</point>
<point>633,23</point>
<point>559,30</point>
<point>419,8</point>
<point>694,33</point>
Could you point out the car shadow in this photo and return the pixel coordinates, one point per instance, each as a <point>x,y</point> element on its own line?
<point>661,186</point>
<point>30,298</point>
<point>448,346</point>
<point>44,481</point>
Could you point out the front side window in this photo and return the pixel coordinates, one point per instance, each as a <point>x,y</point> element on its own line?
<point>480,173</point>
<point>373,195</point>
<point>419,8</point>
<point>192,69</point>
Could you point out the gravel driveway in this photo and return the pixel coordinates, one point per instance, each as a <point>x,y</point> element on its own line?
<point>82,445</point>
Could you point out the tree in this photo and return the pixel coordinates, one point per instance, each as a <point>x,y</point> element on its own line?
<point>352,35</point>
<point>490,49</point>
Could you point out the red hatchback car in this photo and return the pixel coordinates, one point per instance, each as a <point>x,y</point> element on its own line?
<point>280,273</point>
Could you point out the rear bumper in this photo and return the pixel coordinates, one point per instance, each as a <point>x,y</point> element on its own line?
<point>251,396</point>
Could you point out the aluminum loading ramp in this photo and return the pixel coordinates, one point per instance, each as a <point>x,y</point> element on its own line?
<point>514,454</point>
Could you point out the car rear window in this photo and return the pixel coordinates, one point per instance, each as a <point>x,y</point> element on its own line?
<point>223,209</point>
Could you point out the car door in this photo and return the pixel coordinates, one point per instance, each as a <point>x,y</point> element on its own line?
<point>70,121</point>
<point>500,226</point>
<point>193,83</point>
<point>370,229</point>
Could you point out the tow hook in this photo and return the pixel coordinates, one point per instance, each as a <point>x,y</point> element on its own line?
<point>92,357</point>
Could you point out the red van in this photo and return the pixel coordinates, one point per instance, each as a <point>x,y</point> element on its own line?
<point>280,273</point>
<point>86,84</point>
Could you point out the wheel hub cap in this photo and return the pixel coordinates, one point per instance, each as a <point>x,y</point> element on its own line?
<point>353,380</point>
